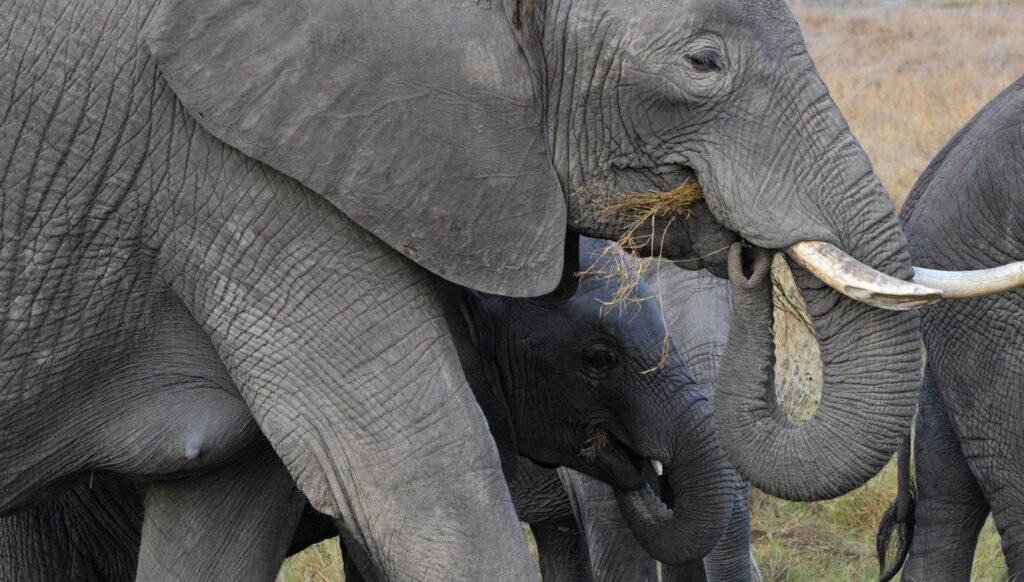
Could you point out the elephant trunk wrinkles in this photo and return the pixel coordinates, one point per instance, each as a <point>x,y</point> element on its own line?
<point>703,487</point>
<point>871,361</point>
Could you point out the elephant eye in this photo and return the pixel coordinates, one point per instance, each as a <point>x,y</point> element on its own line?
<point>600,357</point>
<point>706,60</point>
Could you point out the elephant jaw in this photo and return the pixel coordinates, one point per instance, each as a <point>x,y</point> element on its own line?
<point>606,457</point>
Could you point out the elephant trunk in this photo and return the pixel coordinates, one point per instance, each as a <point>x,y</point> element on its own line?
<point>871,361</point>
<point>703,491</point>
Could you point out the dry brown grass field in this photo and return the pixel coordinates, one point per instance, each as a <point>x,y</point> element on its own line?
<point>907,76</point>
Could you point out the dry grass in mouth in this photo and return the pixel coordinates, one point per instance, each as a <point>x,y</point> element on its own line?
<point>626,270</point>
<point>641,208</point>
<point>787,300</point>
<point>598,439</point>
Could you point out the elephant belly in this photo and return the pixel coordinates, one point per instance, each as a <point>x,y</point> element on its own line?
<point>148,402</point>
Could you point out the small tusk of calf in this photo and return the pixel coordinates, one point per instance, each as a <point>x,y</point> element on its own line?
<point>658,467</point>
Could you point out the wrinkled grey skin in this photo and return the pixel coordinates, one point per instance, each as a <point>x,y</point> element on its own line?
<point>560,369</point>
<point>963,213</point>
<point>264,190</point>
<point>547,369</point>
<point>697,307</point>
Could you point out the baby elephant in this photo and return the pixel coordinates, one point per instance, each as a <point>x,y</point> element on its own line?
<point>590,383</point>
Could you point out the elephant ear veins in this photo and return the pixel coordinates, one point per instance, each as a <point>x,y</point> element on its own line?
<point>418,120</point>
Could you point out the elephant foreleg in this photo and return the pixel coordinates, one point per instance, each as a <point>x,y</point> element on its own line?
<point>339,347</point>
<point>730,560</point>
<point>235,523</point>
<point>951,509</point>
<point>614,552</point>
<point>562,552</point>
<point>355,558</point>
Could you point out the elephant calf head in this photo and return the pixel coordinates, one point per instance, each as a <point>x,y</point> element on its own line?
<point>594,383</point>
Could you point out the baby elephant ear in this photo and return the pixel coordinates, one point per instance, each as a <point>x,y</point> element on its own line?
<point>419,119</point>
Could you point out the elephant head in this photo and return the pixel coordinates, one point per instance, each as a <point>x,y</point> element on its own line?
<point>597,389</point>
<point>468,134</point>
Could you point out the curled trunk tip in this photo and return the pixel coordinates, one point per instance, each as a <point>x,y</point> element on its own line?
<point>870,362</point>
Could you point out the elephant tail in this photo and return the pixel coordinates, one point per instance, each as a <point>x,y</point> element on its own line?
<point>898,520</point>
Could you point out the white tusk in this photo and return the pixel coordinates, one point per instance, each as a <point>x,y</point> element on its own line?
<point>658,467</point>
<point>968,284</point>
<point>858,281</point>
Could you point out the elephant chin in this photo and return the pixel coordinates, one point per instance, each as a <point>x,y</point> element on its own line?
<point>703,488</point>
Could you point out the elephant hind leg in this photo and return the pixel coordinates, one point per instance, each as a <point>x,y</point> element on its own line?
<point>614,552</point>
<point>951,508</point>
<point>356,560</point>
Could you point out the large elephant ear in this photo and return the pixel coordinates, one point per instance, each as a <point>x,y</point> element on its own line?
<point>420,120</point>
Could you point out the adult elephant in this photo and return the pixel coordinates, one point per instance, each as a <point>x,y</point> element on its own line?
<point>963,213</point>
<point>274,180</point>
<point>542,372</point>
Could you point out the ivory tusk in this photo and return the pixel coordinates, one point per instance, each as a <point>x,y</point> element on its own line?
<point>858,281</point>
<point>968,284</point>
<point>659,469</point>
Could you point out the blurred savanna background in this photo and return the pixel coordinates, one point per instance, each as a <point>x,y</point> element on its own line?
<point>907,74</point>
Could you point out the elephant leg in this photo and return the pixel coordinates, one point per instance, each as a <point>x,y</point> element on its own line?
<point>692,572</point>
<point>730,560</point>
<point>562,552</point>
<point>339,346</point>
<point>89,533</point>
<point>355,559</point>
<point>951,508</point>
<point>541,500</point>
<point>995,454</point>
<point>614,552</point>
<point>352,573</point>
<point>234,523</point>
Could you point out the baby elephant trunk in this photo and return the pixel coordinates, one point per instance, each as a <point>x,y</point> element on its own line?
<point>700,493</point>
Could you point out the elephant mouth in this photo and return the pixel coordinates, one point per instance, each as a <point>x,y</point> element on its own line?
<point>609,458</point>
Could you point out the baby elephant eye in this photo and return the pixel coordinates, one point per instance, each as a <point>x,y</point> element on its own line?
<point>600,357</point>
<point>706,60</point>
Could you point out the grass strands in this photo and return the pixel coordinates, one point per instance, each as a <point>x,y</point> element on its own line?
<point>597,440</point>
<point>641,208</point>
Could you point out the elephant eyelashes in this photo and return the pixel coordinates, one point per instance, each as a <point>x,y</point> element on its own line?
<point>706,60</point>
<point>600,358</point>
